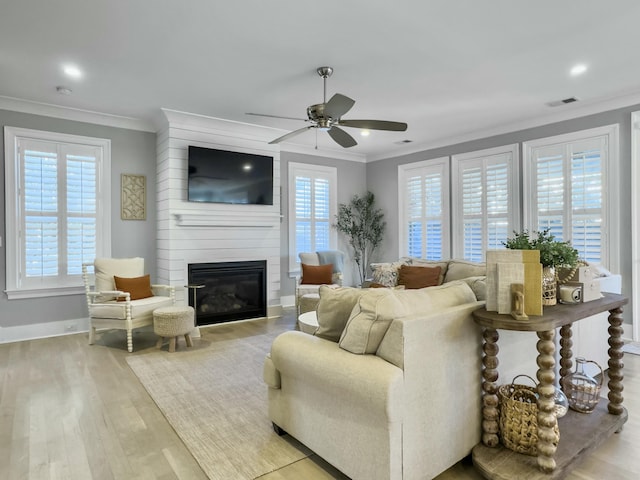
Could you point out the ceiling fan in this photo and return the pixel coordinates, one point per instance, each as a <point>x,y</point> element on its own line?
<point>327,117</point>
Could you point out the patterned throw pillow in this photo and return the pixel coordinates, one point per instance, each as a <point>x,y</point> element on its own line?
<point>386,274</point>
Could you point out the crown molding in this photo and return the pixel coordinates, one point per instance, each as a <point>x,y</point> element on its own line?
<point>568,112</point>
<point>74,114</point>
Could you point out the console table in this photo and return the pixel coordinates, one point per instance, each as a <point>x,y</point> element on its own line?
<point>580,433</point>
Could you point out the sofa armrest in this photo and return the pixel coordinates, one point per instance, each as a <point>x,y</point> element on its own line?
<point>366,380</point>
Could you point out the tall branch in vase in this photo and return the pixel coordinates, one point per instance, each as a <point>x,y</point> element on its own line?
<point>363,224</point>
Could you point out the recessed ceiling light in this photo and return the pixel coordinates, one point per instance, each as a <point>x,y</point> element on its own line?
<point>578,69</point>
<point>72,71</point>
<point>365,133</point>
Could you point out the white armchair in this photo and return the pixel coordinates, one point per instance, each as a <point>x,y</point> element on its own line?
<point>314,259</point>
<point>110,308</point>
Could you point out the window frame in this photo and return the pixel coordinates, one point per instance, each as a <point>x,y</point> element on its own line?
<point>311,171</point>
<point>14,213</point>
<point>458,164</point>
<point>610,178</point>
<point>436,165</point>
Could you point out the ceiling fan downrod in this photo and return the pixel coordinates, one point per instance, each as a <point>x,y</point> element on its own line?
<point>325,72</point>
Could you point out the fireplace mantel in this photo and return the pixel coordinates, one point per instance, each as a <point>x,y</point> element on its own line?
<point>267,220</point>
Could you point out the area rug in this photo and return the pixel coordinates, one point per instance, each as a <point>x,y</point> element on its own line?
<point>216,401</point>
<point>632,348</point>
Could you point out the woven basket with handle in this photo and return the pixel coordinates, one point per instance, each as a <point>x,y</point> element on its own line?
<point>519,417</point>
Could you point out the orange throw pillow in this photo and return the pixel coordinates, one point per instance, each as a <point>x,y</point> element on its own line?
<point>138,287</point>
<point>418,277</point>
<point>317,274</point>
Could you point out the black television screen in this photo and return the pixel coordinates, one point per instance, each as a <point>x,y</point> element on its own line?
<point>220,176</point>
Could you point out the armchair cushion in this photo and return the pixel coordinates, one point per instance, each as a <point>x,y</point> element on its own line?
<point>117,310</point>
<point>138,287</point>
<point>418,277</point>
<point>105,269</point>
<point>317,274</point>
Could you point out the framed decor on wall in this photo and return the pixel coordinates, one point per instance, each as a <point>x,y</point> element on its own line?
<point>133,197</point>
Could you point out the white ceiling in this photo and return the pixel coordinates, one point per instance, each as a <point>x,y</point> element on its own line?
<point>451,69</point>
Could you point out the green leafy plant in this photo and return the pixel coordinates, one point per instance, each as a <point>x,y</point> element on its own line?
<point>553,253</point>
<point>363,224</point>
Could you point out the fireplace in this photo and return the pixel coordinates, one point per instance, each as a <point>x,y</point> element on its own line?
<point>227,291</point>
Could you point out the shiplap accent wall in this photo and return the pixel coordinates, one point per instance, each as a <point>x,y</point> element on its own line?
<point>191,232</point>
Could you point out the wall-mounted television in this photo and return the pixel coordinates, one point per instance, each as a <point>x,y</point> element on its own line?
<point>221,176</point>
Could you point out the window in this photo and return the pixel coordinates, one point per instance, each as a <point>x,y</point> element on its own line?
<point>485,200</point>
<point>58,204</point>
<point>312,208</point>
<point>424,209</point>
<point>565,181</point>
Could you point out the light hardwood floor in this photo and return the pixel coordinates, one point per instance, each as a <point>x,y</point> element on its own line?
<point>71,411</point>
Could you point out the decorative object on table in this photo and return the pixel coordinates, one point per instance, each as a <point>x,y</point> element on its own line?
<point>519,417</point>
<point>133,197</point>
<point>517,302</point>
<point>585,277</point>
<point>553,255</point>
<point>363,224</point>
<point>499,282</point>
<point>582,390</point>
<point>562,403</point>
<point>570,293</point>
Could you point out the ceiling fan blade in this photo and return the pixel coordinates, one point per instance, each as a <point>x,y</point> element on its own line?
<point>290,134</point>
<point>276,116</point>
<point>337,106</point>
<point>342,138</point>
<point>375,125</point>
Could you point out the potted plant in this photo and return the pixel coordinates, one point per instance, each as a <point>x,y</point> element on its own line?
<point>363,224</point>
<point>553,255</point>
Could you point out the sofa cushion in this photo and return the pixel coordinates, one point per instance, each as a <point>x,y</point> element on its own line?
<point>317,274</point>
<point>369,320</point>
<point>413,277</point>
<point>386,274</point>
<point>334,309</point>
<point>417,302</point>
<point>138,287</point>
<point>478,285</point>
<point>459,269</point>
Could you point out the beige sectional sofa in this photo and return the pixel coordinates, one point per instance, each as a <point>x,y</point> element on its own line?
<point>389,387</point>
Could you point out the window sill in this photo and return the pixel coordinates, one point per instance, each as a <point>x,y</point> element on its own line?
<point>43,292</point>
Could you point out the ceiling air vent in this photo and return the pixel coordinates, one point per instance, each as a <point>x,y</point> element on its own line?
<point>564,101</point>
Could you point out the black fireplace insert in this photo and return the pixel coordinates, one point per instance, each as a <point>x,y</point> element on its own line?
<point>227,291</point>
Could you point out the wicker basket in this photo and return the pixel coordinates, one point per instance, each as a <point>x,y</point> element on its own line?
<point>519,417</point>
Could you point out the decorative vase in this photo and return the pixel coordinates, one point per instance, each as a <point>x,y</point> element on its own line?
<point>549,286</point>
<point>581,389</point>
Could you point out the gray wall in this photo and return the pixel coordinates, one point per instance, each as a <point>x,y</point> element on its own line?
<point>351,181</point>
<point>132,152</point>
<point>382,176</point>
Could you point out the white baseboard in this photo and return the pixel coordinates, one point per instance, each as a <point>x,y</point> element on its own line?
<point>288,301</point>
<point>34,331</point>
